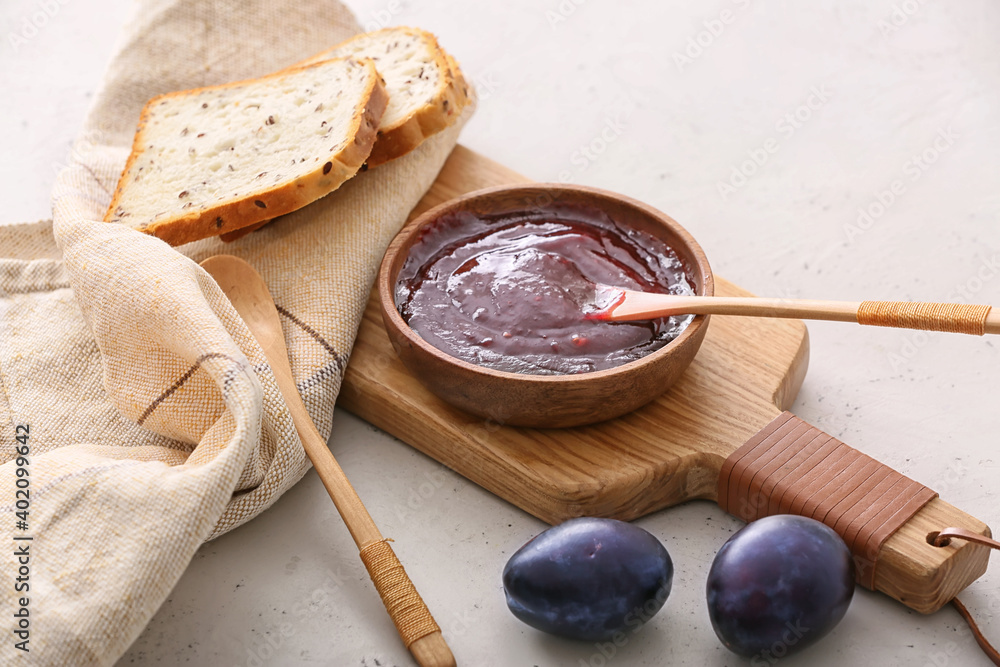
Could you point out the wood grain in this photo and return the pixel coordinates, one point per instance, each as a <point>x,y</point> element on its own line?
<point>925,577</point>
<point>747,371</point>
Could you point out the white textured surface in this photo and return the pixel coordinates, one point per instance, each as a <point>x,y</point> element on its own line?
<point>593,93</point>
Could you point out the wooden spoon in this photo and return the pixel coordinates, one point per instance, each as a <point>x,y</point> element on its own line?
<point>615,304</point>
<point>252,300</point>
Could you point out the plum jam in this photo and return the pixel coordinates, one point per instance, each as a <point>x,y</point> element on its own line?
<point>510,291</point>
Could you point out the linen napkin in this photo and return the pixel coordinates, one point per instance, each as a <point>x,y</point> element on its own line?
<point>149,417</point>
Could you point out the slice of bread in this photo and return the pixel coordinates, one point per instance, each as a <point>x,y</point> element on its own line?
<point>212,160</point>
<point>408,119</point>
<point>426,90</point>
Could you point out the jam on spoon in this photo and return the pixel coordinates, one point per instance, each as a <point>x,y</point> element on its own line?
<point>511,291</point>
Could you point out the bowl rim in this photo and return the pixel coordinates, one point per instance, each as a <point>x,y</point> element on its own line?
<point>386,285</point>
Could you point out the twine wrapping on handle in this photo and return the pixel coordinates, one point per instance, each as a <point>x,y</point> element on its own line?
<point>950,317</point>
<point>412,618</point>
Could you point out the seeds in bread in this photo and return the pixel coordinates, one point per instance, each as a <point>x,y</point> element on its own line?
<point>425,94</point>
<point>216,159</point>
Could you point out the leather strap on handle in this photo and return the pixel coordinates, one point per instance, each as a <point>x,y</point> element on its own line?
<point>792,467</point>
<point>951,317</point>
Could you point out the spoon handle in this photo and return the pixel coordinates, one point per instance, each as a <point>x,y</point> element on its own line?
<point>409,613</point>
<point>250,297</point>
<point>954,317</point>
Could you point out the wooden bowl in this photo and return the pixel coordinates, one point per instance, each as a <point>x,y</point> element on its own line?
<point>546,401</point>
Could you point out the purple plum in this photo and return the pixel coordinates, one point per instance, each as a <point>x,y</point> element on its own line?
<point>778,585</point>
<point>588,579</point>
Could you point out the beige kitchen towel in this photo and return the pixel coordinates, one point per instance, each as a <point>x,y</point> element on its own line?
<point>138,418</point>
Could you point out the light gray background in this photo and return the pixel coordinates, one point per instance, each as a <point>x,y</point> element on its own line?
<point>556,79</point>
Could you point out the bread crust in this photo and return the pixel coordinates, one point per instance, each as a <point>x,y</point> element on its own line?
<point>245,210</point>
<point>440,111</point>
<point>237,234</point>
<point>461,84</point>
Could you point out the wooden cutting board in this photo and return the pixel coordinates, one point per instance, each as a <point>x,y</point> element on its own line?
<point>747,371</point>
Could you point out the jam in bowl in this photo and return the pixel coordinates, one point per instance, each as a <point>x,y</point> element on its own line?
<point>511,291</point>
<point>485,299</point>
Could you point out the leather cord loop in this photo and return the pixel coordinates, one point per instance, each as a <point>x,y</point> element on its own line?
<point>943,539</point>
<point>984,643</point>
